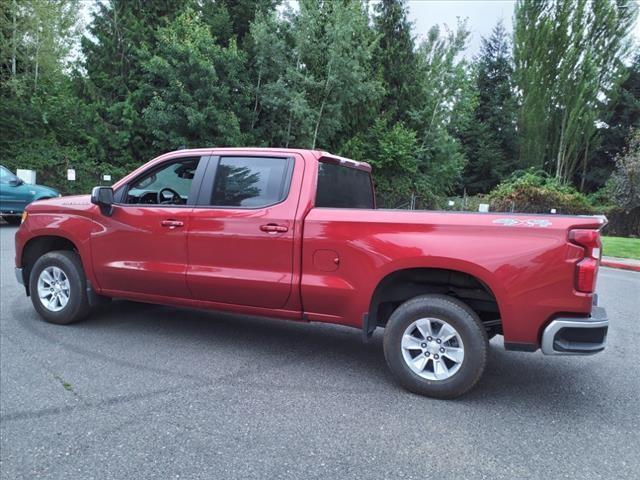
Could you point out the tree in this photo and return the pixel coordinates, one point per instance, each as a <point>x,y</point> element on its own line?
<point>37,36</point>
<point>194,88</point>
<point>623,118</point>
<point>123,33</point>
<point>394,154</point>
<point>314,74</point>
<point>445,106</point>
<point>278,90</point>
<point>42,121</point>
<point>231,19</point>
<point>626,176</point>
<point>490,138</point>
<point>395,59</point>
<point>568,62</point>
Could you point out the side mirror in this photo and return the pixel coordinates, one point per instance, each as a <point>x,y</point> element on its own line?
<point>16,182</point>
<point>103,197</point>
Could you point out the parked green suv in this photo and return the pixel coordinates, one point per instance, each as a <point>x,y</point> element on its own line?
<point>15,195</point>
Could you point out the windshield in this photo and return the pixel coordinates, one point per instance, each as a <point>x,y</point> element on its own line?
<point>6,176</point>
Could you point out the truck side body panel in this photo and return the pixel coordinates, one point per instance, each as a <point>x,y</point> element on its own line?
<point>529,269</point>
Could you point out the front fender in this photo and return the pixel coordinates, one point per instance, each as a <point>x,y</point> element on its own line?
<point>73,227</point>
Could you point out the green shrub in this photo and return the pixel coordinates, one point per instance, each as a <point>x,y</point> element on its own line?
<point>51,161</point>
<point>603,198</point>
<point>533,191</point>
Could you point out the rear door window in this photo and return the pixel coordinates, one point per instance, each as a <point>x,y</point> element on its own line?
<point>251,182</point>
<point>343,187</point>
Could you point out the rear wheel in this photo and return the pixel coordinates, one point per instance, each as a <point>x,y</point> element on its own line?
<point>58,287</point>
<point>436,346</point>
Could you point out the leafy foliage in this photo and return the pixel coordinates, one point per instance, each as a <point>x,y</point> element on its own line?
<point>395,60</point>
<point>535,191</point>
<point>393,153</point>
<point>626,177</point>
<point>194,88</point>
<point>623,117</point>
<point>490,140</point>
<point>569,61</point>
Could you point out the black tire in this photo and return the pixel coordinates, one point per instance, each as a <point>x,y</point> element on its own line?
<point>12,219</point>
<point>77,306</point>
<point>463,320</point>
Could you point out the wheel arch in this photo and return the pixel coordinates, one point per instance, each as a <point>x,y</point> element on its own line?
<point>396,287</point>
<point>37,246</point>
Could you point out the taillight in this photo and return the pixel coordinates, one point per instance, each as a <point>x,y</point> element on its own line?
<point>587,268</point>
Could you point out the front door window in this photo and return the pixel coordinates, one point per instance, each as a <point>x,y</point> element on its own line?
<point>167,185</point>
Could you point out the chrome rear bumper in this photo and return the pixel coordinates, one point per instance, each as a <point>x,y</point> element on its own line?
<point>576,336</point>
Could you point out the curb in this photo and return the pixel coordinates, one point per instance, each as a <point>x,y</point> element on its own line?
<point>620,265</point>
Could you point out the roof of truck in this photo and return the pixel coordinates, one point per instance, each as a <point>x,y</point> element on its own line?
<point>320,155</point>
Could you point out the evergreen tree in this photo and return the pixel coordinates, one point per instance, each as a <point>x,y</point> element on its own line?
<point>315,76</point>
<point>230,19</point>
<point>194,88</point>
<point>396,60</point>
<point>490,139</point>
<point>121,35</point>
<point>623,119</point>
<point>394,154</point>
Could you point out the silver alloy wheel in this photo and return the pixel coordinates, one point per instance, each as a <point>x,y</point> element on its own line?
<point>432,349</point>
<point>53,289</point>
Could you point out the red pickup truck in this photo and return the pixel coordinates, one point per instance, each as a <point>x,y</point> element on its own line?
<point>295,234</point>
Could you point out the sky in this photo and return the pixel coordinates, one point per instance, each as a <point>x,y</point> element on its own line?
<point>482,16</point>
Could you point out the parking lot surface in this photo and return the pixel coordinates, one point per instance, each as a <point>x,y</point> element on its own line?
<point>143,391</point>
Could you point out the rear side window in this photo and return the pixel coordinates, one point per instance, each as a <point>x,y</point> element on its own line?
<point>251,182</point>
<point>343,187</point>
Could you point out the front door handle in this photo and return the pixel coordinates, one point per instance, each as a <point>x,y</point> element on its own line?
<point>171,223</point>
<point>274,228</point>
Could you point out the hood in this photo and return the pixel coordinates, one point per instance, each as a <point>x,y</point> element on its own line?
<point>74,202</point>
<point>42,190</point>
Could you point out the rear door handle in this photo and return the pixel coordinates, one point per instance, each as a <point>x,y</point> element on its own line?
<point>171,223</point>
<point>274,228</point>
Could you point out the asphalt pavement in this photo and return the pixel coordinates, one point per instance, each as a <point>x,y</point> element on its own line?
<point>141,391</point>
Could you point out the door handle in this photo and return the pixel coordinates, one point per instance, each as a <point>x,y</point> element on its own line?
<point>274,228</point>
<point>171,223</point>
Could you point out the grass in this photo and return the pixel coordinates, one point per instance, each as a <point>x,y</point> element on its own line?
<point>621,247</point>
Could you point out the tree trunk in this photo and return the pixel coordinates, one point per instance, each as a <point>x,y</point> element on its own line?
<point>255,104</point>
<point>560,156</point>
<point>584,166</point>
<point>324,100</point>
<point>315,133</point>
<point>35,77</point>
<point>289,127</point>
<point>14,35</point>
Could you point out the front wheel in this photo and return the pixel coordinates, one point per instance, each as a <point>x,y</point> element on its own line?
<point>436,346</point>
<point>58,287</point>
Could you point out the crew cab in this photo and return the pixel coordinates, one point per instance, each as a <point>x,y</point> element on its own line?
<point>296,235</point>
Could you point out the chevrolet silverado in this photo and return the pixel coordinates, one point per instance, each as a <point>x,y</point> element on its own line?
<point>296,235</point>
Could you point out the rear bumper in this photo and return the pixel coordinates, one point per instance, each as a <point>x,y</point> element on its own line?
<point>576,336</point>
